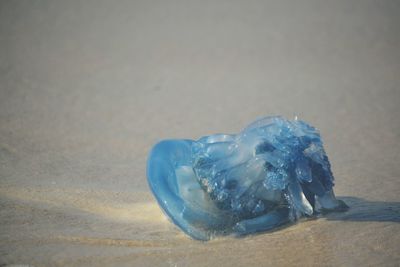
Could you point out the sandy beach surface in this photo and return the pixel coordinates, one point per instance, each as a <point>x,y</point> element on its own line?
<point>87,87</point>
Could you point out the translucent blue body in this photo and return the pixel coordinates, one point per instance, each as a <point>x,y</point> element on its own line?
<point>270,174</point>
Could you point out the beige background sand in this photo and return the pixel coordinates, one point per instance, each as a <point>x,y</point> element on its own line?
<point>87,87</point>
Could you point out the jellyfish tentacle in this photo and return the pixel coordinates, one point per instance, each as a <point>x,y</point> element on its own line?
<point>265,222</point>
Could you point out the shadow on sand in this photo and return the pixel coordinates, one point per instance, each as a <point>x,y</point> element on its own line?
<point>362,210</point>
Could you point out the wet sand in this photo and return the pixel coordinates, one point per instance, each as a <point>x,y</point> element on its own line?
<point>86,88</point>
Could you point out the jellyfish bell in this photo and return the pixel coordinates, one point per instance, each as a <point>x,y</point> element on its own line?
<point>271,173</point>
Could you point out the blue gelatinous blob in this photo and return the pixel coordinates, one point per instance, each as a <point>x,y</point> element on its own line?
<point>269,174</point>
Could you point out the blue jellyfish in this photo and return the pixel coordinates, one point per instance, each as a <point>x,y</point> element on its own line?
<point>270,174</point>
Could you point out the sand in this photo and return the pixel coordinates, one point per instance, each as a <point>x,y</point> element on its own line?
<point>87,87</point>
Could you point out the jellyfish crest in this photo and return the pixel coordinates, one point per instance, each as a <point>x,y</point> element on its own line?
<point>266,164</point>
